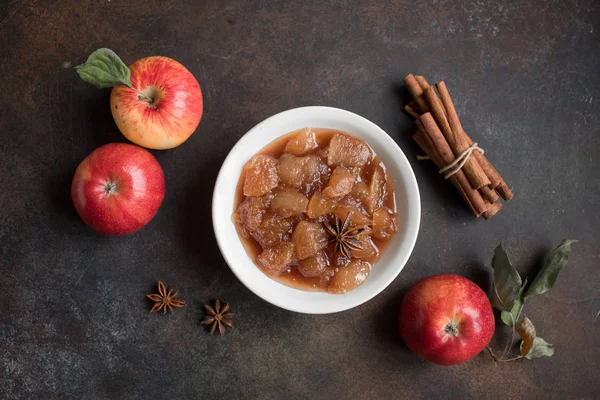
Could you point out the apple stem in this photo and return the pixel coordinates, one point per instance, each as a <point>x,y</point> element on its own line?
<point>142,96</point>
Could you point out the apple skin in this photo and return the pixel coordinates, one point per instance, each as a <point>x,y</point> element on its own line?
<point>174,113</point>
<point>446,319</point>
<point>118,188</point>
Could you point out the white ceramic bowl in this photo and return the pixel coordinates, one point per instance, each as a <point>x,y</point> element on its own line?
<point>395,255</point>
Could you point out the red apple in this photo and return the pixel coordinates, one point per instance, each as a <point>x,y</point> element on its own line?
<point>118,188</point>
<point>170,111</point>
<point>446,319</point>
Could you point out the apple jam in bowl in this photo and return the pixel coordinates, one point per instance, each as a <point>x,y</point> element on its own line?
<point>316,220</point>
<point>315,210</point>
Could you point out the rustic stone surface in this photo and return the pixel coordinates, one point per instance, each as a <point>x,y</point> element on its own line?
<point>74,322</point>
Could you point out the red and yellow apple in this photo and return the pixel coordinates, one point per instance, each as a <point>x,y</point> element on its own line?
<point>118,188</point>
<point>446,319</point>
<point>165,109</point>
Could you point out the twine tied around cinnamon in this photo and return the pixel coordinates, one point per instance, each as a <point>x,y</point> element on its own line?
<point>458,162</point>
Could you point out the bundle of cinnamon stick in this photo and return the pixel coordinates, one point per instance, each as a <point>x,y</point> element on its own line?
<point>441,136</point>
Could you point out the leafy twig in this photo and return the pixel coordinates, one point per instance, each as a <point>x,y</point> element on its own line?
<point>510,295</point>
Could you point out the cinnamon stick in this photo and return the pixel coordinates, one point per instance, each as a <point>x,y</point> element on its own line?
<point>456,140</point>
<point>411,109</point>
<point>415,90</point>
<point>505,191</point>
<point>422,82</point>
<point>488,194</point>
<point>492,210</point>
<point>425,144</point>
<point>454,122</point>
<point>431,129</point>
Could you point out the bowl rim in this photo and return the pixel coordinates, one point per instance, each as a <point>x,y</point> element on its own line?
<point>413,218</point>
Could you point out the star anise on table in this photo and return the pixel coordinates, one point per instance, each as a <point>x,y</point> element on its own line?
<point>218,317</point>
<point>163,300</point>
<point>344,236</point>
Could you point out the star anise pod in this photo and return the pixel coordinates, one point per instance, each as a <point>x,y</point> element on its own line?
<point>164,300</point>
<point>218,317</point>
<point>345,237</point>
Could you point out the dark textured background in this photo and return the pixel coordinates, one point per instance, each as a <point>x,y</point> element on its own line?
<point>74,321</point>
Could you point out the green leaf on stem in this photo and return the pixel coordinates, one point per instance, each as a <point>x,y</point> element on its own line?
<point>526,330</point>
<point>547,276</point>
<point>103,69</point>
<point>539,348</point>
<point>506,316</point>
<point>507,281</point>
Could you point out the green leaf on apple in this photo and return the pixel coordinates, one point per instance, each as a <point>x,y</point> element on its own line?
<point>539,348</point>
<point>507,281</point>
<point>509,318</point>
<point>547,276</point>
<point>103,69</point>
